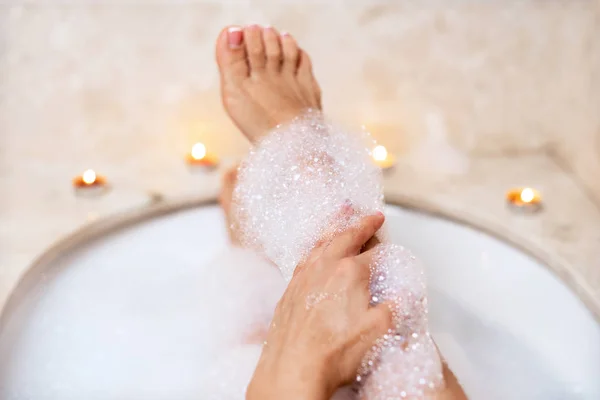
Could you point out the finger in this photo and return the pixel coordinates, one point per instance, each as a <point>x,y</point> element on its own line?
<point>345,213</point>
<point>364,261</point>
<point>377,324</point>
<point>350,242</point>
<point>372,242</point>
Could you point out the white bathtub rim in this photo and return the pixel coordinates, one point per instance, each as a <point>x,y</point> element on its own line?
<point>122,220</point>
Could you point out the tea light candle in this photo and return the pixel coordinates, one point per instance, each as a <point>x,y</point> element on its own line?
<point>90,183</point>
<point>382,158</point>
<point>200,158</point>
<point>525,199</point>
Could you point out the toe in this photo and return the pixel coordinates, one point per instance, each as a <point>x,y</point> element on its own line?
<point>290,53</point>
<point>272,49</point>
<point>255,47</point>
<point>231,53</point>
<point>307,79</point>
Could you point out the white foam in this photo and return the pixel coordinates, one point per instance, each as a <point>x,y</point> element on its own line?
<point>294,183</point>
<point>229,375</point>
<point>290,193</point>
<point>239,280</point>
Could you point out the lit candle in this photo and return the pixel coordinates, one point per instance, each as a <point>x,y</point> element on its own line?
<point>382,158</point>
<point>526,199</point>
<point>89,183</point>
<point>199,157</point>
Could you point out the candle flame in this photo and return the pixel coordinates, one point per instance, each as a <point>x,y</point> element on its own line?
<point>89,177</point>
<point>380,153</point>
<point>527,195</point>
<point>198,151</point>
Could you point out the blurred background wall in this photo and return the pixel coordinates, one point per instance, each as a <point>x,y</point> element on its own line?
<point>109,84</point>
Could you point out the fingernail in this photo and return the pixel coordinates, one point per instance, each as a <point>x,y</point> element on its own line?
<point>235,37</point>
<point>285,33</point>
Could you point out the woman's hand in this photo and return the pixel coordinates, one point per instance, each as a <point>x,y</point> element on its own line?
<point>323,324</point>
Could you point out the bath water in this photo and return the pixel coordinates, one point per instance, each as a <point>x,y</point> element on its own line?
<point>144,314</point>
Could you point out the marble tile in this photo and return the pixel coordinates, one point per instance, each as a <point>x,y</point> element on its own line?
<point>565,233</point>
<point>504,75</point>
<point>579,148</point>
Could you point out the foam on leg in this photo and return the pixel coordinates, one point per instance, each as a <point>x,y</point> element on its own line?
<point>296,180</point>
<point>290,190</point>
<point>404,364</point>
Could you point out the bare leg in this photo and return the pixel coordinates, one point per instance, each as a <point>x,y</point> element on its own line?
<point>266,80</point>
<point>257,335</point>
<point>225,198</point>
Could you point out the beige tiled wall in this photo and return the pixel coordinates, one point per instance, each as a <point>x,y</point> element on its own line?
<point>579,148</point>
<point>133,82</point>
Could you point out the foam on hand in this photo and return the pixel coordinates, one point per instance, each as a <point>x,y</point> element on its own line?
<point>290,191</point>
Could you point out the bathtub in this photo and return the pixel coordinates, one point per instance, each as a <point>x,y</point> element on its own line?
<point>112,313</point>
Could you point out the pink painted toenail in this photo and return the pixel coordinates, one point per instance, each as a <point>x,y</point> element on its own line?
<point>235,36</point>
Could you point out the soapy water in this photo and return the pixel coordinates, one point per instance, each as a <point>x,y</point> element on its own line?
<point>230,373</point>
<point>243,317</point>
<point>146,314</point>
<point>290,191</point>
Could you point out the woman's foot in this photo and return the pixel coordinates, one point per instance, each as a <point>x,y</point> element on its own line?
<point>229,180</point>
<point>266,79</point>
